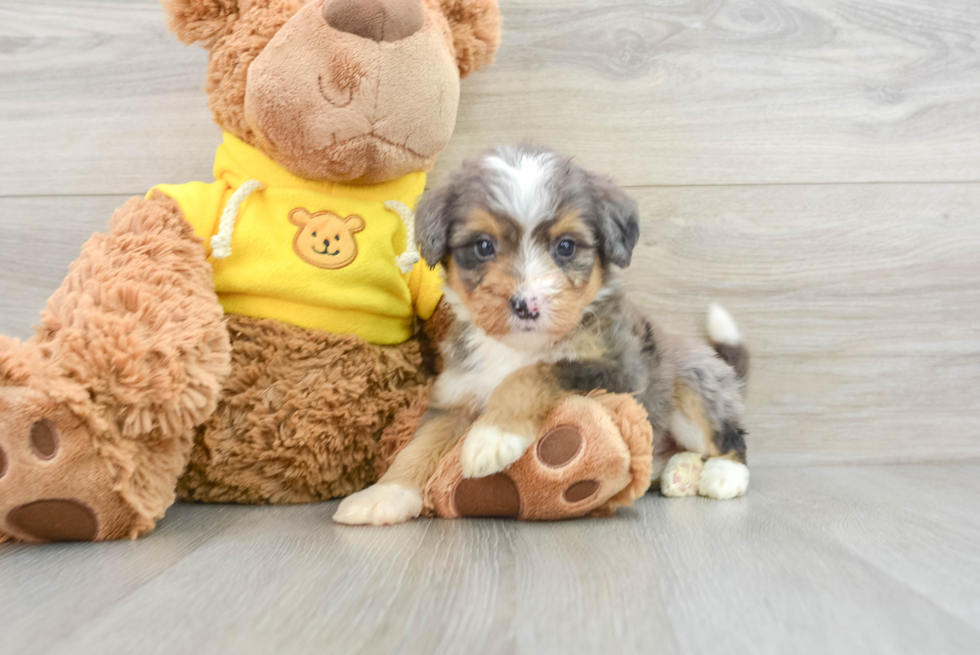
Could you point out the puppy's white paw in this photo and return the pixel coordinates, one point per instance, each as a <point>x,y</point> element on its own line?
<point>382,504</point>
<point>723,478</point>
<point>681,476</point>
<point>487,450</point>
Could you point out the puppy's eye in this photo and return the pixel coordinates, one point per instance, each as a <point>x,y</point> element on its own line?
<point>484,249</point>
<point>565,248</point>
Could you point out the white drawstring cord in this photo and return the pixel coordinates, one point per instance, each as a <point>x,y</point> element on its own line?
<point>221,242</point>
<point>408,259</point>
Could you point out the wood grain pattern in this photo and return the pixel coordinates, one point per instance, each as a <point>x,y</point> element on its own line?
<point>859,302</point>
<point>96,97</point>
<point>822,560</point>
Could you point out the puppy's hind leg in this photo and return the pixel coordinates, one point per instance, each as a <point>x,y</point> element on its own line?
<point>713,464</point>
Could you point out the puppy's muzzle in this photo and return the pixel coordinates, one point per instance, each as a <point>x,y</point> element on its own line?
<point>525,309</point>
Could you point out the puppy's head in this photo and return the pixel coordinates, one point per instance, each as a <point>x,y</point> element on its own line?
<point>529,240</point>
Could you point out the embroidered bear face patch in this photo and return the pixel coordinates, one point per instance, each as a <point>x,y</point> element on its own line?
<point>324,239</point>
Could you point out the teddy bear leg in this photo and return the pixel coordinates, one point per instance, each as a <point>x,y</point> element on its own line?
<point>591,456</point>
<point>98,408</point>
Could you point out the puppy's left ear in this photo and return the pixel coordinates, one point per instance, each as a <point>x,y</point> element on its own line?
<point>432,223</point>
<point>619,221</point>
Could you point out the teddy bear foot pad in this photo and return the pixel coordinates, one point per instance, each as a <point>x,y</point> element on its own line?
<point>578,464</point>
<point>53,486</point>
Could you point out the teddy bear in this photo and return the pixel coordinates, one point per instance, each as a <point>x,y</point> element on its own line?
<point>268,337</point>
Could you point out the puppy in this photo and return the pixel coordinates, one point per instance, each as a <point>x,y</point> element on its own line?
<point>533,246</point>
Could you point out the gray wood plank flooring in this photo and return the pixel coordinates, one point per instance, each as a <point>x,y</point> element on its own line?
<point>813,165</point>
<point>849,559</point>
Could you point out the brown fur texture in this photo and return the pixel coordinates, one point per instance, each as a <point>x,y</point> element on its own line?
<point>130,357</point>
<point>613,460</point>
<point>383,109</point>
<point>304,415</point>
<point>140,384</point>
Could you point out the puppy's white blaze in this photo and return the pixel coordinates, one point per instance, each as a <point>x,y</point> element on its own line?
<point>382,504</point>
<point>535,261</point>
<point>519,190</point>
<point>722,479</point>
<point>721,326</point>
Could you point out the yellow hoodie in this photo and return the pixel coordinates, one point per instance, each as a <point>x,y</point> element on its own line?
<point>320,255</point>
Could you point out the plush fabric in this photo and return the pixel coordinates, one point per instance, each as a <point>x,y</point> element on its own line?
<point>130,357</point>
<point>304,415</point>
<point>138,385</point>
<point>273,273</point>
<point>593,454</point>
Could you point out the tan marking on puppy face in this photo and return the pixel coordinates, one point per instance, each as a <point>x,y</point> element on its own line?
<point>570,223</point>
<point>689,404</point>
<point>324,239</point>
<point>488,303</point>
<point>570,302</point>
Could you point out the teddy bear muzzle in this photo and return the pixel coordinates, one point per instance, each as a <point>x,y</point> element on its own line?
<point>378,20</point>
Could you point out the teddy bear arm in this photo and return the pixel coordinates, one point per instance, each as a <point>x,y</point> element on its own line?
<point>98,409</point>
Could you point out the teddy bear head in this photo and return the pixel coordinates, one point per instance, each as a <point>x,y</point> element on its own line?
<point>358,91</point>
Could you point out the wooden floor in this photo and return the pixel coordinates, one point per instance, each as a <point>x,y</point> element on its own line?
<point>813,165</point>
<point>850,559</point>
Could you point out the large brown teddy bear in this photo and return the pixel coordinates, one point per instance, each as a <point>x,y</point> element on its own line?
<point>259,339</point>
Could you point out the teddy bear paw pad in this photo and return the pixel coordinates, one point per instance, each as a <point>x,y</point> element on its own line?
<point>560,446</point>
<point>495,495</point>
<point>54,520</point>
<point>53,485</point>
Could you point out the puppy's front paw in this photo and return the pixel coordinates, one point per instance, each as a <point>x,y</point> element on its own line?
<point>487,450</point>
<point>382,504</point>
<point>723,478</point>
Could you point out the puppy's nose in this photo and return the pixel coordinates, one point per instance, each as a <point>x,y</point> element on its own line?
<point>378,20</point>
<point>522,309</point>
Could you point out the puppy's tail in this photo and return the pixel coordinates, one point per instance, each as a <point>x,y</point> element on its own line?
<point>726,339</point>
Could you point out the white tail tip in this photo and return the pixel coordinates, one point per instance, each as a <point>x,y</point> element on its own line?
<point>721,326</point>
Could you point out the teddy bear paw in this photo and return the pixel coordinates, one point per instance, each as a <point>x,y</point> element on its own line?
<point>382,504</point>
<point>53,484</point>
<point>487,450</point>
<point>682,475</point>
<point>723,479</point>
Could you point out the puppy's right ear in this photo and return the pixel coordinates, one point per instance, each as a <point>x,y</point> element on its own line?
<point>432,220</point>
<point>203,21</point>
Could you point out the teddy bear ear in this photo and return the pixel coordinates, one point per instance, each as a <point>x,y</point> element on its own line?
<point>299,217</point>
<point>354,223</point>
<point>202,21</point>
<point>475,26</point>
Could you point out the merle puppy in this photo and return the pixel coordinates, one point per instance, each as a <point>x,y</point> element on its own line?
<point>533,246</point>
